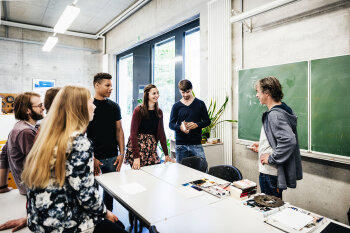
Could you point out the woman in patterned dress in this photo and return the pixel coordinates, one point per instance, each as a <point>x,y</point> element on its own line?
<point>62,193</point>
<point>146,130</point>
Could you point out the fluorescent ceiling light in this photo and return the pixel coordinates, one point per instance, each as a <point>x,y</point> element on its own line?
<point>66,19</point>
<point>50,43</point>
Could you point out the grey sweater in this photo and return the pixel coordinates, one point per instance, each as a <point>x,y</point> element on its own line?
<point>280,125</point>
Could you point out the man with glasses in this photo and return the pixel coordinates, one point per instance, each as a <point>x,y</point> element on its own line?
<point>28,109</point>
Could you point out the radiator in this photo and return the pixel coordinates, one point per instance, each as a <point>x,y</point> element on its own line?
<point>219,68</point>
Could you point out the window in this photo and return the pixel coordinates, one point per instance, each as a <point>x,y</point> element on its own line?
<point>192,59</point>
<point>125,92</point>
<point>163,61</point>
<point>164,77</point>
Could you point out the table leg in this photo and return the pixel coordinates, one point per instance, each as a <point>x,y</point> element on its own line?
<point>135,224</point>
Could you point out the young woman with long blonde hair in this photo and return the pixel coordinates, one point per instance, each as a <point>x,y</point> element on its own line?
<point>62,194</point>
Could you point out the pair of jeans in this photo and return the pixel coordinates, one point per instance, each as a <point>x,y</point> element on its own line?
<point>268,185</point>
<point>185,151</point>
<point>106,168</point>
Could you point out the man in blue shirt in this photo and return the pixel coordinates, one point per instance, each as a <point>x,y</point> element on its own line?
<point>188,117</point>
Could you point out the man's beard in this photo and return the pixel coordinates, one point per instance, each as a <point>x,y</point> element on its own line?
<point>36,116</point>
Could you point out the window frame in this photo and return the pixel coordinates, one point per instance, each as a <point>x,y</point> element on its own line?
<point>178,32</point>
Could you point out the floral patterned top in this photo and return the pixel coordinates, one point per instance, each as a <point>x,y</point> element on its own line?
<point>74,207</point>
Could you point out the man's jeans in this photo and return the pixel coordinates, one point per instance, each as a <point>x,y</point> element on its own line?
<point>106,168</point>
<point>268,185</point>
<point>185,151</point>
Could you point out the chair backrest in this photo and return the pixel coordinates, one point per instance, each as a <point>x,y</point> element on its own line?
<point>195,162</point>
<point>153,229</point>
<point>226,172</point>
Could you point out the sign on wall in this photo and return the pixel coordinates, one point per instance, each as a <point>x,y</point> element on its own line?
<point>40,86</point>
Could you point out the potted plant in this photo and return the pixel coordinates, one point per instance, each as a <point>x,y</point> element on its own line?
<point>214,116</point>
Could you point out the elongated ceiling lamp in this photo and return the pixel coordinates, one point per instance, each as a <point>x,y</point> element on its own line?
<point>66,19</point>
<point>50,43</point>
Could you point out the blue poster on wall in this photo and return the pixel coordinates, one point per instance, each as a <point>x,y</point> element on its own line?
<point>40,86</point>
<point>44,83</point>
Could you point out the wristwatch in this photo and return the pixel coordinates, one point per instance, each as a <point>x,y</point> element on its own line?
<point>122,154</point>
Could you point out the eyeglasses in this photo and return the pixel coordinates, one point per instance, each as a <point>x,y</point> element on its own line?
<point>39,105</point>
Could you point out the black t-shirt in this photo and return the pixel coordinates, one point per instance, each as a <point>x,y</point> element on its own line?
<point>149,126</point>
<point>102,129</point>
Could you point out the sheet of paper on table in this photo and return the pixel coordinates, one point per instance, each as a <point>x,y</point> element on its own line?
<point>133,188</point>
<point>292,218</point>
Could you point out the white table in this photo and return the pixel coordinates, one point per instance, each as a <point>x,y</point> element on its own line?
<point>228,215</point>
<point>177,174</point>
<point>13,206</point>
<point>158,202</point>
<point>162,205</point>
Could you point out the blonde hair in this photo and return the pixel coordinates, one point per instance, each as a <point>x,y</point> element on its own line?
<point>68,113</point>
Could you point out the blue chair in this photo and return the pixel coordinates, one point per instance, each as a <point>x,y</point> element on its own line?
<point>226,172</point>
<point>195,162</point>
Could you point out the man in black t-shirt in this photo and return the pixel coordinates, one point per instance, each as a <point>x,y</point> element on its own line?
<point>106,132</point>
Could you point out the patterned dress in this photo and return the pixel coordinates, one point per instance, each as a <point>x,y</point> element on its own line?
<point>74,207</point>
<point>147,144</point>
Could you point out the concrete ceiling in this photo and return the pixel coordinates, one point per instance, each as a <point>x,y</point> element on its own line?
<point>94,14</point>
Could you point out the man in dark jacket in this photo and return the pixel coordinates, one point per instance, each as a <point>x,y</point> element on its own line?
<point>278,147</point>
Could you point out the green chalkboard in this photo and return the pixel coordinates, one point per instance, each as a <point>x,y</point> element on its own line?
<point>294,80</point>
<point>330,105</point>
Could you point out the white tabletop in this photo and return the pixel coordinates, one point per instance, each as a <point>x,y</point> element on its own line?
<point>13,206</point>
<point>177,174</point>
<point>228,215</point>
<point>158,202</point>
<point>162,204</point>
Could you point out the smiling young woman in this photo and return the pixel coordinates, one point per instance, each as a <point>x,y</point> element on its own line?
<point>146,130</point>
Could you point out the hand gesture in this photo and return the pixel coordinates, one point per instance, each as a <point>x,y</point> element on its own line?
<point>16,224</point>
<point>254,147</point>
<point>191,125</point>
<point>97,169</point>
<point>183,128</point>
<point>111,217</point>
<point>167,159</point>
<point>5,190</point>
<point>119,162</point>
<point>136,164</point>
<point>264,159</point>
